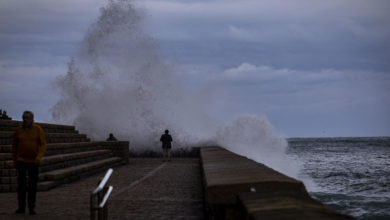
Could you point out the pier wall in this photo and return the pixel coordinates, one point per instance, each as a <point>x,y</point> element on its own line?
<point>236,187</point>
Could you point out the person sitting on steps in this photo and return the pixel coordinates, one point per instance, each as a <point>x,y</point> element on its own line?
<point>111,138</point>
<point>4,116</point>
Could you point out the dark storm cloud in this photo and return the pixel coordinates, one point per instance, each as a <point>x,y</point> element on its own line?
<point>36,40</point>
<point>301,34</point>
<point>310,66</point>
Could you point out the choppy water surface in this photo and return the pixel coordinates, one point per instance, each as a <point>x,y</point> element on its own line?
<point>351,175</point>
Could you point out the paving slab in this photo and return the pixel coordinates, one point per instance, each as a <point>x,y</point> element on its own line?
<point>146,188</point>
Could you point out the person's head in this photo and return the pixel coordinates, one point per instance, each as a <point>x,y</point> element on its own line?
<point>111,135</point>
<point>166,131</point>
<point>28,119</point>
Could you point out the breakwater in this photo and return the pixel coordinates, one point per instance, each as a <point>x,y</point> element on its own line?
<point>236,187</point>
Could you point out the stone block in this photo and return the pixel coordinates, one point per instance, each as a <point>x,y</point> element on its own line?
<point>229,179</point>
<point>226,174</point>
<point>281,206</point>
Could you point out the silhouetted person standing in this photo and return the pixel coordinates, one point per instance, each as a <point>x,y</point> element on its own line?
<point>28,148</point>
<point>166,140</point>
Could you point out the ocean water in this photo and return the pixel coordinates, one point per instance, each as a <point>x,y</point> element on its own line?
<point>350,175</point>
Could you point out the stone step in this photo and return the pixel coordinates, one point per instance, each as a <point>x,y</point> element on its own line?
<point>46,171</point>
<point>54,178</point>
<point>73,159</point>
<point>10,125</point>
<point>46,130</point>
<point>8,172</point>
<point>63,160</point>
<point>69,156</point>
<point>8,179</point>
<point>72,173</point>
<point>60,148</point>
<point>5,156</point>
<point>6,137</point>
<point>5,148</point>
<point>46,185</point>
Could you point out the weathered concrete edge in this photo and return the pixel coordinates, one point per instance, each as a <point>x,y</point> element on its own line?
<point>277,195</point>
<point>226,174</point>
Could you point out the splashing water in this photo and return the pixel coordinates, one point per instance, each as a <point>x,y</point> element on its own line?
<point>251,135</point>
<point>118,83</point>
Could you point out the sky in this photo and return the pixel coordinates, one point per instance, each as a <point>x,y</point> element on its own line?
<point>313,68</point>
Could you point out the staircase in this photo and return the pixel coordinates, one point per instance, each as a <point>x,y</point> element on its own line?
<point>69,156</point>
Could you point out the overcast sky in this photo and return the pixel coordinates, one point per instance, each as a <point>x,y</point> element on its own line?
<point>314,68</point>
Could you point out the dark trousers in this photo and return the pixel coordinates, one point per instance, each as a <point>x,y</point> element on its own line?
<point>31,169</point>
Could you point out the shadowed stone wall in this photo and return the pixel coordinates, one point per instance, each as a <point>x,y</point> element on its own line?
<point>118,148</point>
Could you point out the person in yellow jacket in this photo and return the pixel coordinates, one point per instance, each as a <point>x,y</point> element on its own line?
<point>28,148</point>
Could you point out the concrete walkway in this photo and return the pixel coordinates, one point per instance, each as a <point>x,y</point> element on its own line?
<point>144,189</point>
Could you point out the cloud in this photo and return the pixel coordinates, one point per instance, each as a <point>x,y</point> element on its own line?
<point>289,57</point>
<point>24,86</point>
<point>45,21</point>
<point>261,88</point>
<point>327,17</point>
<point>240,33</point>
<point>297,34</point>
<point>252,74</point>
<point>302,102</point>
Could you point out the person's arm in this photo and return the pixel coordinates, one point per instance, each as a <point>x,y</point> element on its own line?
<point>15,143</point>
<point>42,147</point>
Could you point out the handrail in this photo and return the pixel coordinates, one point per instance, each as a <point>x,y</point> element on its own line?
<point>98,200</point>
<point>104,181</point>
<point>105,198</point>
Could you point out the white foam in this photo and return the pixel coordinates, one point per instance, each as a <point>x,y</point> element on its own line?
<point>118,83</point>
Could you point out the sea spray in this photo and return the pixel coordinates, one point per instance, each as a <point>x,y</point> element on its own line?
<point>252,136</point>
<point>118,83</point>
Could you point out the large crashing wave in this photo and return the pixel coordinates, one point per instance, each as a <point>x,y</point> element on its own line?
<point>118,83</point>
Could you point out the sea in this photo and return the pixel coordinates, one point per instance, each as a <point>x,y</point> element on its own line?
<point>350,175</point>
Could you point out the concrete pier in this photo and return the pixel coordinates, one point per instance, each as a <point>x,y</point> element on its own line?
<point>236,187</point>
<point>146,188</point>
<point>218,184</point>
